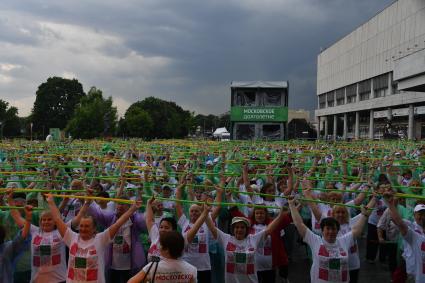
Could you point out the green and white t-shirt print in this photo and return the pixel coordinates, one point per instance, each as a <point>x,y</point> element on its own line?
<point>330,261</point>
<point>240,256</point>
<point>86,258</point>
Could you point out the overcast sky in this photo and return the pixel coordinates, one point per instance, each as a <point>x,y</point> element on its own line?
<point>186,51</point>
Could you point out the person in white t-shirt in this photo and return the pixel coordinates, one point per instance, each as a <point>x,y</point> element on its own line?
<point>197,250</point>
<point>87,249</point>
<point>170,269</point>
<point>240,249</point>
<point>342,215</point>
<point>48,261</point>
<point>414,239</point>
<point>167,224</point>
<point>329,251</point>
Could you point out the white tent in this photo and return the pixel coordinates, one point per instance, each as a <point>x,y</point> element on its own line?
<point>219,132</point>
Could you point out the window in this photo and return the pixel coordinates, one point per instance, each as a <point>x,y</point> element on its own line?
<point>351,92</point>
<point>245,98</point>
<point>330,97</point>
<point>270,98</point>
<point>380,85</point>
<point>364,90</point>
<point>271,132</point>
<point>322,101</point>
<point>245,131</point>
<point>340,96</point>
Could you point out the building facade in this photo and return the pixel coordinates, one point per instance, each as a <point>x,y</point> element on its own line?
<point>371,83</point>
<point>259,110</point>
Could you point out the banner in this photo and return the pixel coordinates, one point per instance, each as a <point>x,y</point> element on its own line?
<point>258,114</point>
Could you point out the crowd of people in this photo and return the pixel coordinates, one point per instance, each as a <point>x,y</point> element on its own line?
<point>181,211</point>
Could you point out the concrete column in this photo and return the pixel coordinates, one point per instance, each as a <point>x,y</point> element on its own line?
<point>335,124</point>
<point>371,130</point>
<point>357,93</point>
<point>344,135</point>
<point>345,95</point>
<point>389,114</point>
<point>372,90</point>
<point>319,128</point>
<point>326,127</point>
<point>357,126</point>
<point>411,125</point>
<point>390,85</point>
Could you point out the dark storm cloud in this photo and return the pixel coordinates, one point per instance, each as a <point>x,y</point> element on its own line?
<point>207,44</point>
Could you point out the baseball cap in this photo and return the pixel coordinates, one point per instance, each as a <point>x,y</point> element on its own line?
<point>419,207</point>
<point>238,219</point>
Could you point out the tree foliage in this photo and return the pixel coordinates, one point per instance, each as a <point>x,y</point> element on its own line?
<point>156,118</point>
<point>55,102</point>
<point>95,116</point>
<point>10,123</point>
<point>300,128</point>
<point>137,123</point>
<point>209,123</point>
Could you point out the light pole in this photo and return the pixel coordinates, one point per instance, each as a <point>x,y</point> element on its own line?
<point>31,130</point>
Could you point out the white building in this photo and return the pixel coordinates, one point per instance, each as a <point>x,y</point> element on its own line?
<point>375,76</point>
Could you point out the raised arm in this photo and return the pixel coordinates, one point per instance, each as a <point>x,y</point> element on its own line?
<point>395,216</point>
<point>83,211</point>
<point>212,227</point>
<point>179,206</point>
<point>201,219</point>
<point>309,195</point>
<point>116,226</point>
<point>296,217</point>
<point>19,220</point>
<point>357,229</point>
<point>276,222</point>
<point>56,215</point>
<point>218,198</point>
<point>27,225</point>
<point>149,216</point>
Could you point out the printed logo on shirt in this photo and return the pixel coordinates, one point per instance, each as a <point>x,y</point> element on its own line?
<point>333,264</point>
<point>175,277</point>
<point>199,243</point>
<point>46,251</point>
<point>240,259</point>
<point>153,251</point>
<point>83,263</point>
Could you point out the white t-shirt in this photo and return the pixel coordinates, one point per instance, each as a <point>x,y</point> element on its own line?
<point>263,256</point>
<point>86,258</point>
<point>330,261</point>
<point>417,242</point>
<point>196,252</point>
<point>155,245</point>
<point>121,248</point>
<point>171,271</point>
<point>353,252</point>
<point>48,263</point>
<point>240,256</point>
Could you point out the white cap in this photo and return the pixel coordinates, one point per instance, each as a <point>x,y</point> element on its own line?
<point>255,187</point>
<point>419,207</point>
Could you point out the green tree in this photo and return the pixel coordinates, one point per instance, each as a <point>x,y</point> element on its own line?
<point>168,119</point>
<point>137,123</point>
<point>9,120</point>
<point>55,103</point>
<point>95,116</point>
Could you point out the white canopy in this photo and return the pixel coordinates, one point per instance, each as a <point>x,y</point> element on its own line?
<point>219,131</point>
